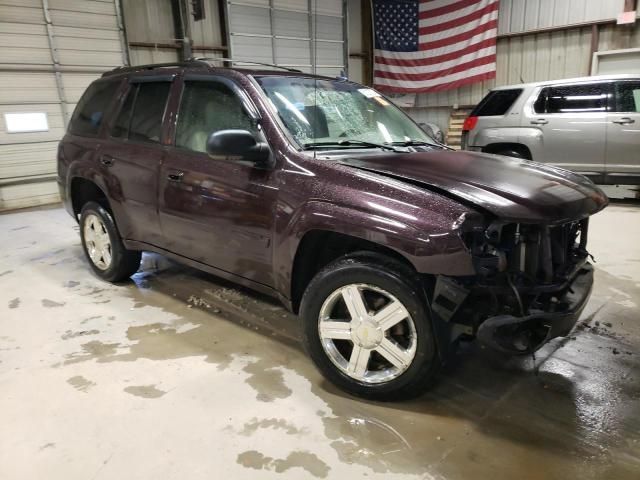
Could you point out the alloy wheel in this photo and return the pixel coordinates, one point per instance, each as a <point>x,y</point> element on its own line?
<point>367,333</point>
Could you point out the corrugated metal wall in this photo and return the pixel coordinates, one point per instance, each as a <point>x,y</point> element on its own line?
<point>51,50</point>
<point>308,35</point>
<point>517,16</point>
<point>151,34</point>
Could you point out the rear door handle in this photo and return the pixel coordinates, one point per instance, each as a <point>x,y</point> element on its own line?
<point>624,121</point>
<point>106,160</point>
<point>175,177</point>
<point>540,121</point>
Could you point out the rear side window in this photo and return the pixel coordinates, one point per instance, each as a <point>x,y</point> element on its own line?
<point>628,97</point>
<point>140,118</point>
<point>572,99</point>
<point>92,107</point>
<point>496,103</point>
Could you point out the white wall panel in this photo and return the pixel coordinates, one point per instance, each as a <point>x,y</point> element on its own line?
<point>145,55</point>
<point>27,159</point>
<point>252,39</point>
<point>82,40</point>
<point>517,16</point>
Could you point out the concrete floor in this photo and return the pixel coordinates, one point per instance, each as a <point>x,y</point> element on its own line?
<point>179,375</point>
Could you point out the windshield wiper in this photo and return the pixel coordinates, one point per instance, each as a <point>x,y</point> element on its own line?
<point>350,143</point>
<point>416,143</point>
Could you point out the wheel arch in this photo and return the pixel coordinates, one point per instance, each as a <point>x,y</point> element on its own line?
<point>83,190</point>
<point>319,247</point>
<point>503,146</point>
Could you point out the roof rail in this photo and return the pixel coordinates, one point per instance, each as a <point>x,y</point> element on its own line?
<point>200,61</point>
<point>134,68</point>
<point>248,62</point>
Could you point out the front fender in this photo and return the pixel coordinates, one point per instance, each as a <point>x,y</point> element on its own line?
<point>428,252</point>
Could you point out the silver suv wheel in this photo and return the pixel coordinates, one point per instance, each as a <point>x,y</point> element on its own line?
<point>367,333</point>
<point>97,241</point>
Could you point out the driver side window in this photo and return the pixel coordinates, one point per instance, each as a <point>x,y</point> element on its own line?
<point>207,107</point>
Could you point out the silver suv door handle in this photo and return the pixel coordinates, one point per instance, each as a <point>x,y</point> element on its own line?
<point>624,121</point>
<point>540,121</point>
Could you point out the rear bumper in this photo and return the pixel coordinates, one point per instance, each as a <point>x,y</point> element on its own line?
<point>504,332</point>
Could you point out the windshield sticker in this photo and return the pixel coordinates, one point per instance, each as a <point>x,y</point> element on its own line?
<point>367,92</point>
<point>299,105</point>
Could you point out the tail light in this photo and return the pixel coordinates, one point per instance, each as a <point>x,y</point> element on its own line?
<point>469,123</point>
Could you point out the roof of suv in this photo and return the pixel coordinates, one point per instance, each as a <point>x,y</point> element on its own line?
<point>213,65</point>
<point>562,81</point>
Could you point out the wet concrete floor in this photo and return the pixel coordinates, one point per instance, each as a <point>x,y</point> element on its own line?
<point>180,375</point>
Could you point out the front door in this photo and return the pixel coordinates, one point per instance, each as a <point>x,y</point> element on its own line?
<point>571,120</point>
<point>623,135</point>
<point>214,210</point>
<point>131,159</point>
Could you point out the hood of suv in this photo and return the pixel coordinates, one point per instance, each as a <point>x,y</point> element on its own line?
<point>511,189</point>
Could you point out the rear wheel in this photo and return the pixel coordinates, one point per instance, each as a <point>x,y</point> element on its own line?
<point>103,246</point>
<point>367,329</point>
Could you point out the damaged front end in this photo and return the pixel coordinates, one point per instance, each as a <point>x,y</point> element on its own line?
<point>531,285</point>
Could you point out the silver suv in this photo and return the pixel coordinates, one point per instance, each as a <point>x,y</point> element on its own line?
<point>590,125</point>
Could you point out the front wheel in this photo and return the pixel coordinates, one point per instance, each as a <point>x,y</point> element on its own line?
<point>102,245</point>
<point>367,329</point>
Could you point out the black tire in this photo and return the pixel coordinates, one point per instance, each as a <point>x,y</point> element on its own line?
<point>124,263</point>
<point>396,279</point>
<point>512,153</point>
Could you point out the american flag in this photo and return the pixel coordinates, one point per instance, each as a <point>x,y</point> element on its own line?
<point>433,45</point>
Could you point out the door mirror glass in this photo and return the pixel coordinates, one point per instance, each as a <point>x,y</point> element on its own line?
<point>241,144</point>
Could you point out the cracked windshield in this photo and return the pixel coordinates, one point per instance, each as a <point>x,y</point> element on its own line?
<point>327,113</point>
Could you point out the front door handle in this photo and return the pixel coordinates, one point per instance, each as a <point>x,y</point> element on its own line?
<point>540,121</point>
<point>106,160</point>
<point>175,177</point>
<point>624,121</point>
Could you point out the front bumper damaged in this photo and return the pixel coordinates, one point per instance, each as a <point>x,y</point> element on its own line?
<point>515,334</point>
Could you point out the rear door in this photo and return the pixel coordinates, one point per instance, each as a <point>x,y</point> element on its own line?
<point>132,155</point>
<point>571,121</point>
<point>623,134</point>
<point>215,210</point>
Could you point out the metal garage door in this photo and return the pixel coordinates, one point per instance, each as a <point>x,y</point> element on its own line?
<point>310,33</point>
<point>50,51</point>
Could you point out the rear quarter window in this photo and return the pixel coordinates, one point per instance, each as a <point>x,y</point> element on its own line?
<point>92,108</point>
<point>496,103</point>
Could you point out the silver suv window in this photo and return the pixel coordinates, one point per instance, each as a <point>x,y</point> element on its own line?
<point>628,97</point>
<point>497,102</point>
<point>572,99</point>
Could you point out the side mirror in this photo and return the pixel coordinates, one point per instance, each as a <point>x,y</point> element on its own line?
<point>241,144</point>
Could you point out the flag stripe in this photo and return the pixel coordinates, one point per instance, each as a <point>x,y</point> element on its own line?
<point>430,82</point>
<point>437,66</point>
<point>429,18</point>
<point>481,15</point>
<point>433,45</point>
<point>445,9</point>
<point>455,49</point>
<point>462,67</point>
<point>425,62</point>
<point>443,42</point>
<point>439,87</point>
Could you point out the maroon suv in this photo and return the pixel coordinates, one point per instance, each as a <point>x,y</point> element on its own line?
<point>320,192</point>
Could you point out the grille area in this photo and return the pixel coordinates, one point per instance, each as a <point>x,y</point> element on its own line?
<point>531,254</point>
